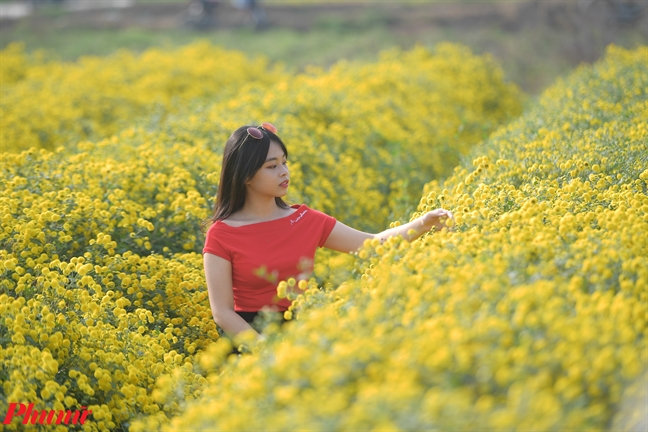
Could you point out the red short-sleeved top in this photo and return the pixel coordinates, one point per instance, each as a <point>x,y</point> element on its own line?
<point>279,245</point>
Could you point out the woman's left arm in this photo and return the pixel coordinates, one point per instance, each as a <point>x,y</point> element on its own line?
<point>343,238</point>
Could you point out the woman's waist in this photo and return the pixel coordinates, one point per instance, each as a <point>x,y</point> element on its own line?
<point>249,316</point>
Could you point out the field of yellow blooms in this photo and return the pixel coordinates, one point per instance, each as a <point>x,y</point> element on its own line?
<point>47,103</point>
<point>103,290</point>
<point>530,315</point>
<point>396,124</point>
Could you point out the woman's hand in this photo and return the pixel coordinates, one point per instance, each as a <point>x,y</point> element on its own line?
<point>306,266</point>
<point>304,276</point>
<point>437,219</point>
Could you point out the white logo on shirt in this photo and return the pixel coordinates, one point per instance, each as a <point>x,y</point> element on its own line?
<point>299,217</point>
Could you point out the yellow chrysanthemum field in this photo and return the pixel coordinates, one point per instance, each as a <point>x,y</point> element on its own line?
<point>531,314</point>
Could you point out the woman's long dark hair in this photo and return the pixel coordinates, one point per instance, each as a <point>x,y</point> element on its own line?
<point>242,158</point>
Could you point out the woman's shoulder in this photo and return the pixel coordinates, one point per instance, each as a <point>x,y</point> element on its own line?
<point>237,220</point>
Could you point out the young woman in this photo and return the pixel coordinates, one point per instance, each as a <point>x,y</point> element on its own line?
<point>257,240</point>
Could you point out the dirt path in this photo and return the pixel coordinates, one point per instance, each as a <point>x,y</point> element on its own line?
<point>407,18</point>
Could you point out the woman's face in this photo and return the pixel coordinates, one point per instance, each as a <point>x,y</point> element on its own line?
<point>267,180</point>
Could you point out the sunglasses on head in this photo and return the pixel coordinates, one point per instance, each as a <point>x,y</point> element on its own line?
<point>256,133</point>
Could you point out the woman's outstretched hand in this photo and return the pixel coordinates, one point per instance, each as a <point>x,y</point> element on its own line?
<point>437,219</point>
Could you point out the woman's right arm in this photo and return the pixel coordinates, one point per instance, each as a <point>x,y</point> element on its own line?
<point>218,274</point>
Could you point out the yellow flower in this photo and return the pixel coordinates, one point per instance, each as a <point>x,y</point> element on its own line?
<point>281,289</point>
